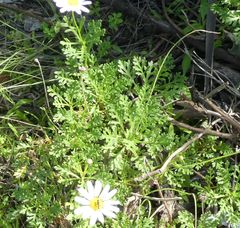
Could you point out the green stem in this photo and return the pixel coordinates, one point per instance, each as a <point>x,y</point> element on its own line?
<point>79,36</point>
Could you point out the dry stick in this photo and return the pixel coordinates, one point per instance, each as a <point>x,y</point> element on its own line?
<point>188,104</point>
<point>22,122</point>
<point>183,148</point>
<point>222,85</point>
<point>202,130</point>
<point>156,198</point>
<point>164,202</point>
<point>195,209</point>
<point>209,46</point>
<point>224,115</point>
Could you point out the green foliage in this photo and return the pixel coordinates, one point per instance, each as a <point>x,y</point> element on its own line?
<point>110,122</point>
<point>105,114</point>
<point>185,219</point>
<point>203,9</point>
<point>115,20</point>
<point>51,31</point>
<point>229,14</point>
<point>222,190</point>
<point>186,64</point>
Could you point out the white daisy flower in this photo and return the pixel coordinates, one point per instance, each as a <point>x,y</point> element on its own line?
<point>77,6</point>
<point>96,202</point>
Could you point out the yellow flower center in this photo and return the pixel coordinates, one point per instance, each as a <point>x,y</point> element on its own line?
<point>73,2</point>
<point>96,204</point>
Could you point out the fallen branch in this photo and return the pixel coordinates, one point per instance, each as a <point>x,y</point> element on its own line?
<point>191,109</point>
<point>156,198</point>
<point>224,115</point>
<point>203,130</point>
<point>183,148</point>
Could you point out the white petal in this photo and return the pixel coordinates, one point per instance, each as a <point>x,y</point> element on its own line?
<point>100,217</point>
<point>98,188</point>
<point>59,3</point>
<point>105,192</point>
<point>110,194</point>
<point>78,11</point>
<point>78,211</point>
<point>86,3</point>
<point>111,208</point>
<point>84,211</point>
<point>62,10</point>
<point>84,9</point>
<point>84,193</point>
<point>108,214</point>
<point>79,8</point>
<point>93,219</point>
<point>87,212</point>
<point>112,202</point>
<point>90,187</point>
<point>82,201</point>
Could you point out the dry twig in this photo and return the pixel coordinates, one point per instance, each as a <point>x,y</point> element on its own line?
<point>183,148</point>
<point>202,130</point>
<point>225,116</point>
